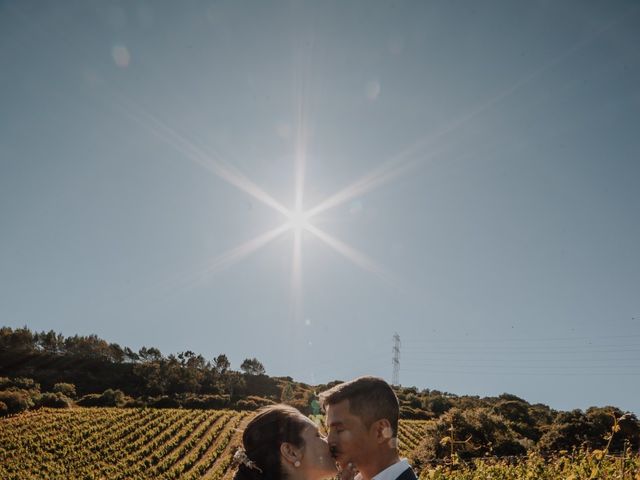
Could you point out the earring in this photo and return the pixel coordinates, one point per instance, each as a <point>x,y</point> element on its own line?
<point>296,463</point>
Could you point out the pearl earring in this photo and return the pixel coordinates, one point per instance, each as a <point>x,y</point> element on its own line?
<point>296,463</point>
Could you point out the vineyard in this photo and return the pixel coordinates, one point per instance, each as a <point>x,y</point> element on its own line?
<point>118,444</point>
<point>128,443</point>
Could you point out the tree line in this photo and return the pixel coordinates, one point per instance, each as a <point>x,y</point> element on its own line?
<point>93,364</point>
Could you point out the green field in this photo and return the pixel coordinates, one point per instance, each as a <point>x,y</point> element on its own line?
<point>110,443</point>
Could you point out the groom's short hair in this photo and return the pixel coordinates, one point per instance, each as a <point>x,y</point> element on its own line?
<point>370,398</point>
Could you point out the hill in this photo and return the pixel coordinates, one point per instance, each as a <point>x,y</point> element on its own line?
<point>46,369</point>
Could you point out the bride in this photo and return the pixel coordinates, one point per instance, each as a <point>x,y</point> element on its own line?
<point>281,443</point>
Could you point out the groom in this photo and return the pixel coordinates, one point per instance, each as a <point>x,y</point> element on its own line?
<point>362,419</point>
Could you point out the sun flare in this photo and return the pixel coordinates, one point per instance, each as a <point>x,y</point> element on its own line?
<point>299,221</point>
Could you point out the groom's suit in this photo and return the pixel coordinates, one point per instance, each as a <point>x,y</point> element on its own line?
<point>387,474</point>
<point>407,475</point>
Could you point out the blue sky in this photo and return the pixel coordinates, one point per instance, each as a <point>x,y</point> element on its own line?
<point>487,156</point>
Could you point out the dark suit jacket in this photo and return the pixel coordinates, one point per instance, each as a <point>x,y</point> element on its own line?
<point>407,475</point>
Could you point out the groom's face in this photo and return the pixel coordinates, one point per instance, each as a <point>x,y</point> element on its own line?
<point>349,438</point>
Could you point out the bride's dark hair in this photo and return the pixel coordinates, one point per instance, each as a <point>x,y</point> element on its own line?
<point>266,431</point>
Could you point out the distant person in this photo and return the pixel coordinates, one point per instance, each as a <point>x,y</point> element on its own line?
<point>281,443</point>
<point>362,420</point>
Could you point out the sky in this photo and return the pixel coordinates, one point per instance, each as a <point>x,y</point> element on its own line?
<point>299,181</point>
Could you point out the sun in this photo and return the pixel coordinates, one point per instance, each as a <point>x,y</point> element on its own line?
<point>299,221</point>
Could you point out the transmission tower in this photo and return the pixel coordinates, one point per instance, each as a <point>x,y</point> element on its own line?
<point>395,380</point>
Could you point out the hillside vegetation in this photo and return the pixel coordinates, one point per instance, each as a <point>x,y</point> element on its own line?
<point>48,370</point>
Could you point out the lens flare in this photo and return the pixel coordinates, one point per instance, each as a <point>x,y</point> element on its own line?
<point>298,221</point>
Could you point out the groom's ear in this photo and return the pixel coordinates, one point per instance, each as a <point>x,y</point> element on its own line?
<point>290,453</point>
<point>383,431</point>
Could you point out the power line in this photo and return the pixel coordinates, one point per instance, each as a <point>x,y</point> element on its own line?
<point>463,339</point>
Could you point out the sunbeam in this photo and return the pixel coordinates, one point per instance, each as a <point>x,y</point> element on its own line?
<point>379,176</point>
<point>300,158</point>
<point>358,258</point>
<point>298,219</point>
<point>296,276</point>
<point>189,278</point>
<point>197,155</point>
<point>235,254</point>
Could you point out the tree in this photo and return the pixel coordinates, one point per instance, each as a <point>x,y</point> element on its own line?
<point>18,340</point>
<point>252,366</point>
<point>50,342</point>
<point>602,425</point>
<point>181,378</point>
<point>149,354</point>
<point>89,347</point>
<point>438,404</point>
<point>569,429</point>
<point>116,353</point>
<point>130,355</point>
<point>287,393</point>
<point>221,364</point>
<point>151,376</point>
<point>517,413</point>
<point>235,385</point>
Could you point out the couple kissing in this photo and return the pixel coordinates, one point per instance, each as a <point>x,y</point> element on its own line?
<point>361,416</point>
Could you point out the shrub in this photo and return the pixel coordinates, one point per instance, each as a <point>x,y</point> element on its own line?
<point>477,432</point>
<point>590,429</point>
<point>261,401</point>
<point>218,401</point>
<point>67,389</point>
<point>301,404</point>
<point>194,403</point>
<point>55,400</point>
<point>113,398</point>
<point>438,404</point>
<point>136,403</point>
<point>206,402</point>
<point>25,383</point>
<point>20,383</point>
<point>569,429</point>
<point>109,398</point>
<point>410,413</point>
<point>90,400</point>
<point>246,405</point>
<point>16,401</point>
<point>165,402</point>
